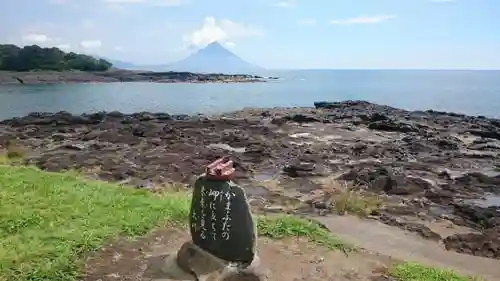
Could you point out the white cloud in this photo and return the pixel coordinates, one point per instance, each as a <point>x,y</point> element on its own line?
<point>91,44</point>
<point>284,4</point>
<point>148,2</point>
<point>63,47</point>
<point>230,44</point>
<point>307,22</point>
<point>36,38</point>
<point>118,48</point>
<point>219,30</point>
<point>364,20</point>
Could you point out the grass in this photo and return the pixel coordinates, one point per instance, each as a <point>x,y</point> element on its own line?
<point>354,202</point>
<point>348,199</point>
<point>290,226</point>
<point>11,154</point>
<point>417,272</point>
<point>49,220</point>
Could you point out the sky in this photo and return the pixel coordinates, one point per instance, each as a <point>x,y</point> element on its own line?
<point>275,34</point>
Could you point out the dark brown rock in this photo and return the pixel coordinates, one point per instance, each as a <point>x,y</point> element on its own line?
<point>486,244</point>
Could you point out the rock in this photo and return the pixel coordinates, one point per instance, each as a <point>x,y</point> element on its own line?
<point>205,266</point>
<point>486,133</point>
<point>58,137</point>
<point>485,244</point>
<point>476,178</point>
<point>304,169</point>
<point>302,118</point>
<point>274,209</point>
<point>392,126</point>
<point>74,146</point>
<point>440,196</point>
<point>381,179</point>
<point>325,104</point>
<point>418,228</point>
<point>376,117</point>
<point>221,222</point>
<point>476,216</point>
<point>448,143</point>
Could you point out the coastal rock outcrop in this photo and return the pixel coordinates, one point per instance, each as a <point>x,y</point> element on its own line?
<point>419,161</point>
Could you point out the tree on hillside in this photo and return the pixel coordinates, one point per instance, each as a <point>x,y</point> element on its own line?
<point>34,57</point>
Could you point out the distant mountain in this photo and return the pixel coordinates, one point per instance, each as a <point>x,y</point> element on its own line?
<point>123,64</point>
<point>214,58</point>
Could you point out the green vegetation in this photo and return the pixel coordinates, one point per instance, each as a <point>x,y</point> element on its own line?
<point>354,202</point>
<point>14,58</point>
<point>290,226</point>
<point>11,154</point>
<point>349,199</point>
<point>418,272</point>
<point>49,219</point>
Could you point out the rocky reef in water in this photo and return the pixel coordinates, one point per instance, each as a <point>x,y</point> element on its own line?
<point>120,75</point>
<point>429,166</point>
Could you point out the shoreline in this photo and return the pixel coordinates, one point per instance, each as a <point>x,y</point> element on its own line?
<point>431,169</point>
<point>120,76</point>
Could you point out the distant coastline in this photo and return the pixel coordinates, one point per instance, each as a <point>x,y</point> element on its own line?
<point>39,77</point>
<point>33,65</point>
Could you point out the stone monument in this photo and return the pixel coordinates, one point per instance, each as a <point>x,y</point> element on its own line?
<point>223,233</point>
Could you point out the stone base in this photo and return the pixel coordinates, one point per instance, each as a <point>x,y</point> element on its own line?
<point>206,267</point>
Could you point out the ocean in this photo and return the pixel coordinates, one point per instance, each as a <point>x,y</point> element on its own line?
<point>468,92</point>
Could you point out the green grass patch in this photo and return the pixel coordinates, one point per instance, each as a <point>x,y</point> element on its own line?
<point>418,272</point>
<point>48,220</point>
<point>290,226</point>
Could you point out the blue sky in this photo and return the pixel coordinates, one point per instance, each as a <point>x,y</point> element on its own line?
<point>431,34</point>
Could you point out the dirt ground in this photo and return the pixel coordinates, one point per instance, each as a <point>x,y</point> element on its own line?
<point>286,260</point>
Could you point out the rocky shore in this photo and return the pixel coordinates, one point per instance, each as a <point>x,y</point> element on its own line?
<point>437,173</point>
<point>119,75</point>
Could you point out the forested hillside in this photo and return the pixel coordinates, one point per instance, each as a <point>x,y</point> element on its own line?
<point>14,58</point>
